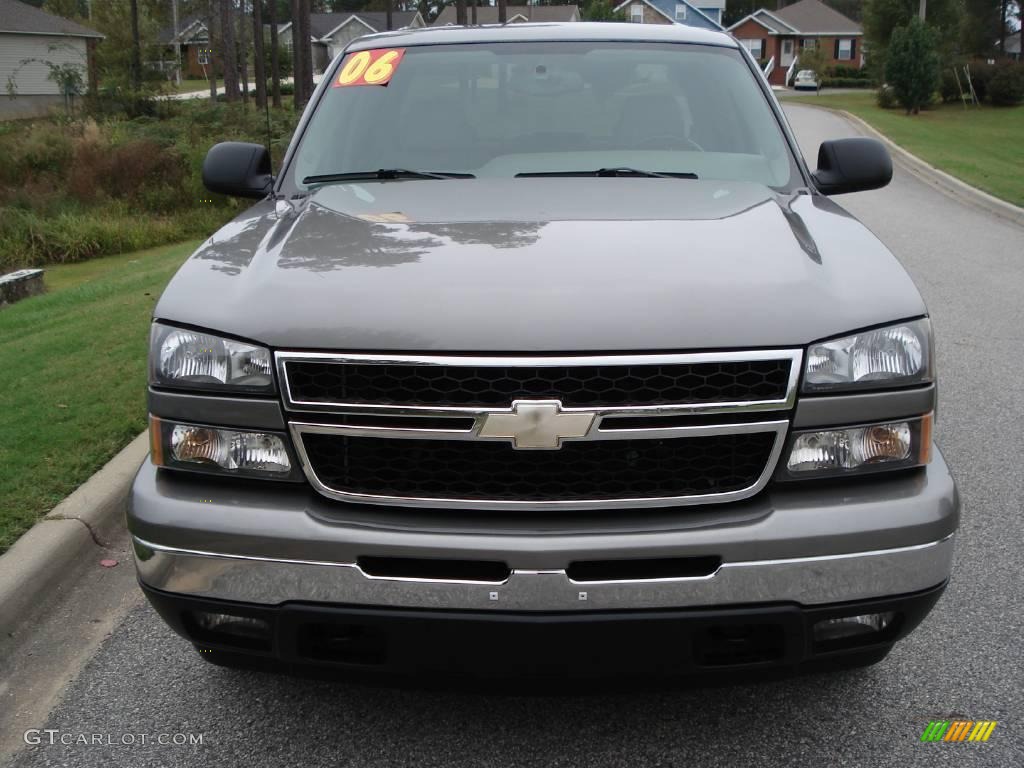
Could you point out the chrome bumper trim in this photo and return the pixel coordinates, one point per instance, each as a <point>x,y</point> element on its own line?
<point>806,580</point>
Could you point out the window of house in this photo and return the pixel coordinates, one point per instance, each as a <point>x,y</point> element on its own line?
<point>756,47</point>
<point>844,50</point>
<point>809,43</point>
<point>203,56</point>
<point>680,12</point>
<point>636,13</point>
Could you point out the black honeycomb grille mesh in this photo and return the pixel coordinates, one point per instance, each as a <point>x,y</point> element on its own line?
<point>575,386</point>
<point>484,470</point>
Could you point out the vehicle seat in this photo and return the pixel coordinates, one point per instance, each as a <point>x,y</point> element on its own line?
<point>649,116</point>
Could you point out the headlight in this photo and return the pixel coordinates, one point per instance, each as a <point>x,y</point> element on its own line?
<point>860,449</point>
<point>895,356</point>
<point>220,451</point>
<point>190,359</point>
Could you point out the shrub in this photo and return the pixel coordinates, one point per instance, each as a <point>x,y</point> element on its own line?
<point>1006,88</point>
<point>71,190</point>
<point>845,82</point>
<point>840,71</point>
<point>981,76</point>
<point>886,97</point>
<point>912,66</point>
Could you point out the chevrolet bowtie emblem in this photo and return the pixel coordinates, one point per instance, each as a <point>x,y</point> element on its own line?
<point>536,424</point>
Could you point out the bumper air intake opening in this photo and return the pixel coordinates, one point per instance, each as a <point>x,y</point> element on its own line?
<point>647,569</point>
<point>486,571</point>
<point>342,644</point>
<point>733,644</point>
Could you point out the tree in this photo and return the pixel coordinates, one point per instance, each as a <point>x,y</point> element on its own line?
<point>815,60</point>
<point>302,52</point>
<point>257,54</point>
<point>68,9</point>
<point>135,77</point>
<point>912,67</point>
<point>275,55</point>
<point>980,28</point>
<point>882,17</point>
<point>602,10</point>
<point>229,52</point>
<point>243,52</point>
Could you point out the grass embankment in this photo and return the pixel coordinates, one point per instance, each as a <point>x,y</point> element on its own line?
<point>980,145</point>
<point>73,377</point>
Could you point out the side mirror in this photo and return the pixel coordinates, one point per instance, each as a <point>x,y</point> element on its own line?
<point>238,169</point>
<point>852,165</point>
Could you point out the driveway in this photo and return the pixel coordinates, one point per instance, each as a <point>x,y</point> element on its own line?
<point>964,662</point>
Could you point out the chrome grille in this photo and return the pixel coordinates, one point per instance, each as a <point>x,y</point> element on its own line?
<point>539,432</point>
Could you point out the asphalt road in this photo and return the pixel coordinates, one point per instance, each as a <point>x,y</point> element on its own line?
<point>964,663</point>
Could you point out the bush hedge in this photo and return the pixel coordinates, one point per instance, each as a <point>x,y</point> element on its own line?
<point>1006,88</point>
<point>75,189</point>
<point>845,82</point>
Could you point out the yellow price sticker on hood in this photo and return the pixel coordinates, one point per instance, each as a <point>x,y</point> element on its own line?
<point>373,67</point>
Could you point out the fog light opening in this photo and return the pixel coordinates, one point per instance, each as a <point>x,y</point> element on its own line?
<point>232,630</point>
<point>850,631</point>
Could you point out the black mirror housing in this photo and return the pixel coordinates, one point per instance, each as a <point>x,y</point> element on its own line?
<point>238,169</point>
<point>852,165</point>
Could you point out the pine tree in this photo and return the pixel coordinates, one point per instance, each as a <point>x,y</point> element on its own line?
<point>912,67</point>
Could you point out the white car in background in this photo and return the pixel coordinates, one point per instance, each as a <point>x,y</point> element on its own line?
<point>805,80</point>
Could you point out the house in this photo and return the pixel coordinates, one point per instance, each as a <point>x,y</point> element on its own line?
<point>331,32</point>
<point>777,37</point>
<point>514,14</point>
<point>193,39</point>
<point>30,39</point>
<point>705,14</point>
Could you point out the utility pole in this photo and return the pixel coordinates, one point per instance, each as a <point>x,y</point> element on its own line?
<point>177,44</point>
<point>460,12</point>
<point>502,11</point>
<point>389,6</point>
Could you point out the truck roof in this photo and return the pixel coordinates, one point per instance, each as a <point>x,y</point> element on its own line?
<point>554,32</point>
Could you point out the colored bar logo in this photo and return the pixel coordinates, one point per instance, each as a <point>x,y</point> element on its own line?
<point>958,730</point>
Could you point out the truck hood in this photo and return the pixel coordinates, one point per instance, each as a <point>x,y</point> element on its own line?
<point>541,265</point>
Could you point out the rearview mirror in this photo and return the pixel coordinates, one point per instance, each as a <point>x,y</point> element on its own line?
<point>852,165</point>
<point>238,169</point>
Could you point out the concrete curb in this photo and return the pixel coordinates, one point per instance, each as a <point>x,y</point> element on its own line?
<point>931,175</point>
<point>78,527</point>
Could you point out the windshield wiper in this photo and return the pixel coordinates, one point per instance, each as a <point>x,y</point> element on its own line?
<point>609,172</point>
<point>384,174</point>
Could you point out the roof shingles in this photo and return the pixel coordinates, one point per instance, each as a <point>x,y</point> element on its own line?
<point>21,18</point>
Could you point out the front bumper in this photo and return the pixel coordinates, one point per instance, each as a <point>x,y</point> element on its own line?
<point>742,640</point>
<point>806,544</point>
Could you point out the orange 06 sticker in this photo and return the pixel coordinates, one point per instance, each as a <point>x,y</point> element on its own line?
<point>373,67</point>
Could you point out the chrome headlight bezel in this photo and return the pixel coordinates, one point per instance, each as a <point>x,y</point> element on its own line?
<point>871,360</point>
<point>224,365</point>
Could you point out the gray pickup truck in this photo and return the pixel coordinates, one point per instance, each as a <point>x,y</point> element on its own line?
<point>544,352</point>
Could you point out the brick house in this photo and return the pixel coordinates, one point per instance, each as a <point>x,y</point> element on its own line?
<point>193,39</point>
<point>784,33</point>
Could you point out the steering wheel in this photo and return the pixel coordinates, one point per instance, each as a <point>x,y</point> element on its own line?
<point>671,139</point>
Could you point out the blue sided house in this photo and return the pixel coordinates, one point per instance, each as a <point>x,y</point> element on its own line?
<point>706,14</point>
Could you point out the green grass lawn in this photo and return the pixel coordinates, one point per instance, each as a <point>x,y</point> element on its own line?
<point>73,377</point>
<point>981,145</point>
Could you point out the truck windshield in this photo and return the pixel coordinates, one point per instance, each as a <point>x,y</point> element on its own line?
<point>533,109</point>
